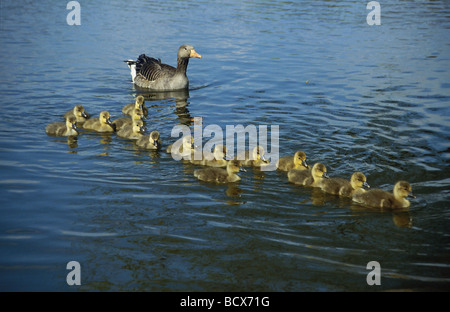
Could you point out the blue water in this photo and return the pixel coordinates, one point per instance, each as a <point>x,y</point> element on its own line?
<point>355,97</point>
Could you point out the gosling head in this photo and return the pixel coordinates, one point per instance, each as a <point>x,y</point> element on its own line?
<point>300,159</point>
<point>358,180</point>
<point>234,166</point>
<point>220,151</point>
<point>319,171</point>
<point>258,154</point>
<point>403,189</point>
<point>153,138</point>
<point>71,123</point>
<point>79,111</point>
<point>188,142</point>
<point>137,114</point>
<point>140,102</point>
<point>138,126</point>
<point>105,118</point>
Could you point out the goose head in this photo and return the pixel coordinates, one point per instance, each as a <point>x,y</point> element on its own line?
<point>187,51</point>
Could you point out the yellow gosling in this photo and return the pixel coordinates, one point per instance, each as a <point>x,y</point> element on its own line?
<point>79,113</point>
<point>343,187</point>
<point>133,132</point>
<point>67,128</point>
<point>220,152</point>
<point>220,175</point>
<point>151,141</point>
<point>136,114</point>
<point>185,149</point>
<point>378,198</point>
<point>139,104</point>
<point>298,161</point>
<point>311,177</point>
<point>218,157</point>
<point>257,157</point>
<point>102,123</point>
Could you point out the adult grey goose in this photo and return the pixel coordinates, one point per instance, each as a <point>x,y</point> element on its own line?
<point>150,73</point>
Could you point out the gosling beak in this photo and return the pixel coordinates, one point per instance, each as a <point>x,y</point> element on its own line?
<point>74,126</point>
<point>366,185</point>
<point>325,175</point>
<point>85,115</point>
<point>108,121</point>
<point>194,54</point>
<point>305,164</point>
<point>242,170</point>
<point>156,144</point>
<point>142,129</point>
<point>411,195</point>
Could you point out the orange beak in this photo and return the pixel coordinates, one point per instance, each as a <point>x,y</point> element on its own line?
<point>194,54</point>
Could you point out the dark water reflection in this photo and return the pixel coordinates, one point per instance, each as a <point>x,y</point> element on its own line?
<point>162,99</point>
<point>355,97</point>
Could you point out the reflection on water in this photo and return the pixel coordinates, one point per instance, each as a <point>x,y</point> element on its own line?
<point>376,101</point>
<point>72,143</point>
<point>179,97</point>
<point>402,218</point>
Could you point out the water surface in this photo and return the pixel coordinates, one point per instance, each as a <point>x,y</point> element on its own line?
<point>355,97</point>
